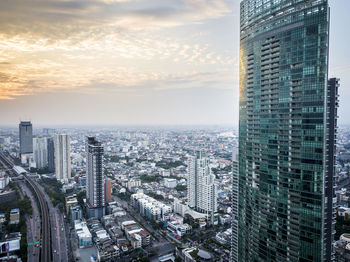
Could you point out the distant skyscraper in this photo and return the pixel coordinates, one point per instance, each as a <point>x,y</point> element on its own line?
<point>62,157</point>
<point>95,192</point>
<point>26,142</point>
<point>25,137</point>
<point>286,132</point>
<point>201,189</point>
<point>40,152</point>
<point>51,154</point>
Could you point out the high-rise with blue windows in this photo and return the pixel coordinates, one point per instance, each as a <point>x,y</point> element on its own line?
<point>287,126</point>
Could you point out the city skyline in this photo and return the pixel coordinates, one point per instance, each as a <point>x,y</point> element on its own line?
<point>173,63</point>
<point>179,130</point>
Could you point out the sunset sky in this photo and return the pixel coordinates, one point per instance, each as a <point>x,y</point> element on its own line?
<point>110,62</point>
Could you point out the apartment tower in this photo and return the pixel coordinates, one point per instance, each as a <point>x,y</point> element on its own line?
<point>40,152</point>
<point>201,188</point>
<point>95,192</point>
<point>62,157</point>
<point>51,154</point>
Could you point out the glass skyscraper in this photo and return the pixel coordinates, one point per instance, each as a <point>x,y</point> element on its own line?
<point>287,124</point>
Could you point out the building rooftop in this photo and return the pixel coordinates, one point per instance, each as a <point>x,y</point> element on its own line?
<point>14,211</point>
<point>82,229</point>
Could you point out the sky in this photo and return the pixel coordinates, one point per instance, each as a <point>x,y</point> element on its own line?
<point>127,62</point>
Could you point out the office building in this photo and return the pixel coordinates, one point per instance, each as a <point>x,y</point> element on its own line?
<point>25,137</point>
<point>95,178</point>
<point>202,189</point>
<point>287,125</point>
<point>50,154</point>
<point>40,152</point>
<point>26,141</point>
<point>62,157</point>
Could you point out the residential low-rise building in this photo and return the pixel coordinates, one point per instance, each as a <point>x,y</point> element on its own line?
<point>108,253</point>
<point>179,229</point>
<point>170,182</point>
<point>4,181</point>
<point>224,238</point>
<point>344,212</point>
<point>137,236</point>
<point>83,234</point>
<point>14,216</point>
<point>133,183</point>
<point>150,207</point>
<point>342,248</point>
<point>71,201</point>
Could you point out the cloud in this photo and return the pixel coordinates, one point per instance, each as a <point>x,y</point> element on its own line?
<point>113,45</point>
<point>58,19</point>
<point>223,79</point>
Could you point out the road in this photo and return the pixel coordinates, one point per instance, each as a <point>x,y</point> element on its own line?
<point>58,231</point>
<point>33,226</point>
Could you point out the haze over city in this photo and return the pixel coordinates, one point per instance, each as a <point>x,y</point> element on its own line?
<point>121,62</point>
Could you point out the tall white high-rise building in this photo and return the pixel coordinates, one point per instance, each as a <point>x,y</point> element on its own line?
<point>40,152</point>
<point>62,157</point>
<point>201,188</point>
<point>95,193</point>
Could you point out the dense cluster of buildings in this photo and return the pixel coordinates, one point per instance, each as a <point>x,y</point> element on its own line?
<point>112,235</point>
<point>149,207</point>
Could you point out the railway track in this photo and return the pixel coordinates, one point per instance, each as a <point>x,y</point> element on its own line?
<point>45,227</point>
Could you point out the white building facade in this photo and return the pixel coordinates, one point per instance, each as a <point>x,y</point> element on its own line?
<point>62,157</point>
<point>40,152</point>
<point>201,187</point>
<point>150,207</point>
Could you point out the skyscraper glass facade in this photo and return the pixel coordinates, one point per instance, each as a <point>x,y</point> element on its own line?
<point>284,114</point>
